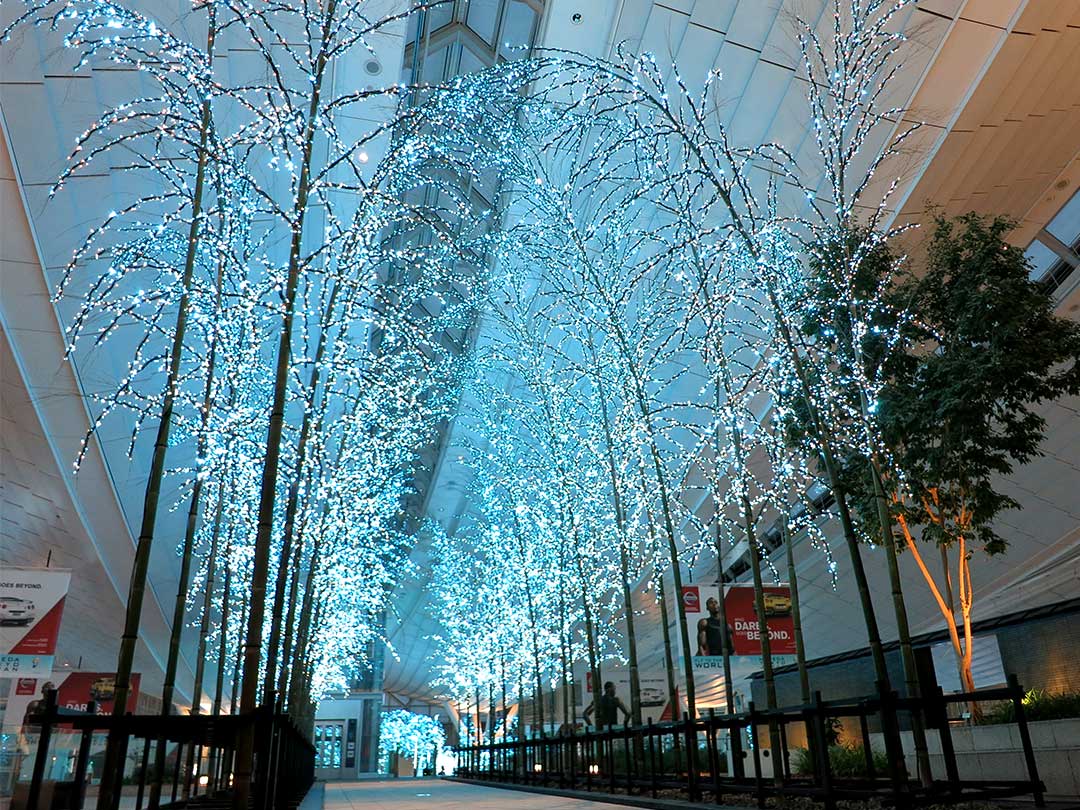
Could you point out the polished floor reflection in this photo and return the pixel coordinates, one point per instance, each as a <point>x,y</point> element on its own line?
<point>432,794</point>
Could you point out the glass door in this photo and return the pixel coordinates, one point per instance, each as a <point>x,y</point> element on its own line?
<point>329,749</point>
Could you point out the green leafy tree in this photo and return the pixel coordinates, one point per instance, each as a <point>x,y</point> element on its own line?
<point>961,407</point>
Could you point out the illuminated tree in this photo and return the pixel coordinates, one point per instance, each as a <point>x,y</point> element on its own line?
<point>407,734</point>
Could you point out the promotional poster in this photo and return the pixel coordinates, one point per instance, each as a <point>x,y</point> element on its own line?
<point>74,690</point>
<point>741,634</point>
<point>709,635</point>
<point>31,606</point>
<point>654,691</point>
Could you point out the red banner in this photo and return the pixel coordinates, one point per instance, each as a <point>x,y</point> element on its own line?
<point>79,688</point>
<point>743,620</point>
<point>709,634</point>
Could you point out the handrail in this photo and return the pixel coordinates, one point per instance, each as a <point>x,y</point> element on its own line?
<point>285,757</point>
<point>685,754</point>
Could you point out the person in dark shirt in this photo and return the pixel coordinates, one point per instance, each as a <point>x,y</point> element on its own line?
<point>607,707</point>
<point>35,706</point>
<point>713,635</point>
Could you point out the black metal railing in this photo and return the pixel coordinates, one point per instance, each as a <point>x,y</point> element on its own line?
<point>65,745</point>
<point>685,758</point>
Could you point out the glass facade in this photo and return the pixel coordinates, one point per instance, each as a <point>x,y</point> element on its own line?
<point>1054,255</point>
<point>468,35</point>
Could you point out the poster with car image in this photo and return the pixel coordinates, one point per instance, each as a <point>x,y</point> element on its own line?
<point>736,627</point>
<point>652,682</point>
<point>74,690</point>
<point>31,606</point>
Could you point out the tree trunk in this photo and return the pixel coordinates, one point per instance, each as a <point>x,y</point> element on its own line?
<point>190,529</point>
<point>729,686</point>
<point>669,660</point>
<point>594,663</point>
<point>966,601</point>
<point>539,701</point>
<point>796,616</point>
<point>245,749</point>
<point>521,704</point>
<point>290,619</point>
<point>624,558</point>
<point>223,640</point>
<point>763,632</point>
<point>479,726</point>
<point>638,389</point>
<point>219,677</point>
<point>946,611</point>
<point>907,654</point>
<point>505,707</point>
<point>293,502</point>
<point>676,576</point>
<point>658,577</point>
<point>204,626</point>
<point>564,657</point>
<point>303,630</point>
<point>112,771</point>
<point>234,695</point>
<point>826,443</point>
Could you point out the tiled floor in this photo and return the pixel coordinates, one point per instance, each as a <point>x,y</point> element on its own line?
<point>435,794</point>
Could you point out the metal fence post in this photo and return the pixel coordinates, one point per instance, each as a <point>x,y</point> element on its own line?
<point>652,757</point>
<point>609,738</point>
<point>894,747</point>
<point>713,754</point>
<point>1025,741</point>
<point>47,718</point>
<point>176,771</point>
<point>784,758</point>
<point>690,730</point>
<point>940,719</point>
<point>823,768</point>
<point>83,758</point>
<point>868,753</point>
<point>759,787</point>
<point>142,774</point>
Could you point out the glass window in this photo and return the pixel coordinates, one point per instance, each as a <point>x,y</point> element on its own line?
<point>482,17</point>
<point>1066,224</point>
<point>487,184</point>
<point>517,28</point>
<point>440,15</point>
<point>1041,258</point>
<point>328,745</point>
<point>410,31</point>
<point>435,64</point>
<point>470,62</point>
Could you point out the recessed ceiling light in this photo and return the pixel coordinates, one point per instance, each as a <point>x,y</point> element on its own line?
<point>577,18</point>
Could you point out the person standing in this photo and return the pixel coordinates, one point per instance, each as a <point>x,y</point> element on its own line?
<point>607,707</point>
<point>713,635</point>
